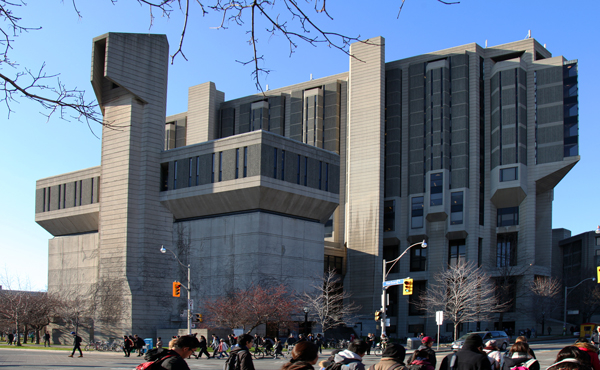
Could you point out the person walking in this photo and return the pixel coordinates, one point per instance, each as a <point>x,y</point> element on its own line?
<point>469,357</point>
<point>139,344</point>
<point>174,359</point>
<point>352,357</point>
<point>427,343</point>
<point>392,358</point>
<point>215,345</point>
<point>304,355</point>
<point>127,345</point>
<point>202,349</point>
<point>159,343</point>
<point>242,352</point>
<point>223,349</point>
<point>76,344</point>
<point>46,338</point>
<point>371,343</point>
<point>11,337</point>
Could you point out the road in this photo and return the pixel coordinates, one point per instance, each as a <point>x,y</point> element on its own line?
<point>57,360</point>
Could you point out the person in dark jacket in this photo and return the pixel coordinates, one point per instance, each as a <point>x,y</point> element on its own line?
<point>469,357</point>
<point>523,339</point>
<point>174,359</point>
<point>426,346</point>
<point>392,358</point>
<point>127,344</point>
<point>139,344</point>
<point>520,357</point>
<point>242,352</point>
<point>76,344</point>
<point>304,355</point>
<point>202,349</point>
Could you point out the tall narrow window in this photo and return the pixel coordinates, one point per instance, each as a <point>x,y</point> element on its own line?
<point>197,170</point>
<point>74,193</point>
<point>245,161</point>
<point>298,173</point>
<point>212,168</point>
<point>283,164</point>
<point>64,196</point>
<point>305,171</point>
<point>274,163</point>
<point>190,172</point>
<point>506,249</point>
<point>237,162</point>
<point>389,215</point>
<point>436,189</point>
<point>320,173</point>
<point>220,166</point>
<point>326,176</point>
<point>456,208</point>
<point>175,175</point>
<point>44,202</point>
<point>49,192</point>
<point>457,252</point>
<point>416,221</point>
<point>92,192</point>
<point>80,191</point>
<point>59,194</point>
<point>418,259</point>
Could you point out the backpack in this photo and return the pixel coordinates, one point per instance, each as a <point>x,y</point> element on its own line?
<point>417,366</point>
<point>524,365</point>
<point>151,364</point>
<point>233,361</point>
<point>78,339</point>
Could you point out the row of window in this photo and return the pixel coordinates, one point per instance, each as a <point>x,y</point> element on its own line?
<point>63,202</point>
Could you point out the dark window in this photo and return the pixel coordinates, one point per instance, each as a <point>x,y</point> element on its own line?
<point>508,174</point>
<point>326,176</point>
<point>305,171</point>
<point>49,192</point>
<point>59,194</point>
<point>282,164</point>
<point>197,170</point>
<point>80,193</point>
<point>245,161</point>
<point>416,221</point>
<point>506,290</point>
<point>416,329</point>
<point>598,242</point>
<point>164,176</point>
<point>220,166</point>
<point>457,252</point>
<point>329,227</point>
<point>390,253</point>
<point>506,249</point>
<point>64,196</point>
<point>389,215</point>
<point>190,172</point>
<point>597,256</point>
<point>92,191</point>
<point>298,173</point>
<point>572,262</point>
<point>175,175</point>
<point>333,262</point>
<point>418,259</point>
<point>44,202</point>
<point>508,216</point>
<point>419,287</point>
<point>237,163</point>
<point>274,163</point>
<point>212,171</point>
<point>479,251</point>
<point>456,208</point>
<point>436,189</point>
<point>320,173</point>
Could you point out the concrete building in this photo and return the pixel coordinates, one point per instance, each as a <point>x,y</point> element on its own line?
<point>461,147</point>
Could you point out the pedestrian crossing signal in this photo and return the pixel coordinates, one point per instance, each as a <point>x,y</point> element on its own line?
<point>176,289</point>
<point>377,315</point>
<point>199,317</point>
<point>408,287</point>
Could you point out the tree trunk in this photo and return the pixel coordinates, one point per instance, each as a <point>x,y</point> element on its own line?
<point>25,334</point>
<point>18,336</point>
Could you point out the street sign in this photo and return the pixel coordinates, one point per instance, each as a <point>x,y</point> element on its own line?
<point>393,282</point>
<point>573,312</point>
<point>387,322</point>
<point>439,317</point>
<point>190,304</point>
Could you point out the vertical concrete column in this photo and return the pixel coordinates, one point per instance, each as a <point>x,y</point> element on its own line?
<point>364,182</point>
<point>203,108</point>
<point>129,75</point>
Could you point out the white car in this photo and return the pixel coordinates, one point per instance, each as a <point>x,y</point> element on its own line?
<point>502,340</point>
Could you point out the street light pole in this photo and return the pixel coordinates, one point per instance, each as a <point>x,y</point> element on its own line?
<point>306,309</point>
<point>565,307</point>
<point>385,274</point>
<point>189,288</point>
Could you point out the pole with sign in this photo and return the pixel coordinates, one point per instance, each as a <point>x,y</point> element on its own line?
<point>439,319</point>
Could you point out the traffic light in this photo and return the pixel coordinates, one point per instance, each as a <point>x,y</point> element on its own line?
<point>176,289</point>
<point>198,317</point>
<point>377,315</point>
<point>598,273</point>
<point>408,287</point>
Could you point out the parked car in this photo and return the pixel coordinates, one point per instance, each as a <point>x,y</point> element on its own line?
<point>502,340</point>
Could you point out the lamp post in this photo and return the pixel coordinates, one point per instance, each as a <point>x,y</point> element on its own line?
<point>189,288</point>
<point>306,310</point>
<point>423,244</point>
<point>565,310</point>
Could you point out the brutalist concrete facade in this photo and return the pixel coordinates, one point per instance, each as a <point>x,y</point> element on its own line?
<point>461,147</point>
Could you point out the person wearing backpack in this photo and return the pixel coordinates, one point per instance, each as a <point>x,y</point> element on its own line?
<point>173,359</point>
<point>420,361</point>
<point>469,357</point>
<point>202,349</point>
<point>240,357</point>
<point>351,358</point>
<point>76,344</point>
<point>426,346</point>
<point>520,359</point>
<point>392,358</point>
<point>222,348</point>
<point>127,344</point>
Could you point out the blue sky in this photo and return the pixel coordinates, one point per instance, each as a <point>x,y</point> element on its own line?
<point>34,147</point>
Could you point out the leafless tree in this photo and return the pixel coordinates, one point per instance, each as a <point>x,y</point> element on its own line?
<point>43,308</point>
<point>545,298</point>
<point>506,289</point>
<point>464,292</point>
<point>295,21</point>
<point>326,302</point>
